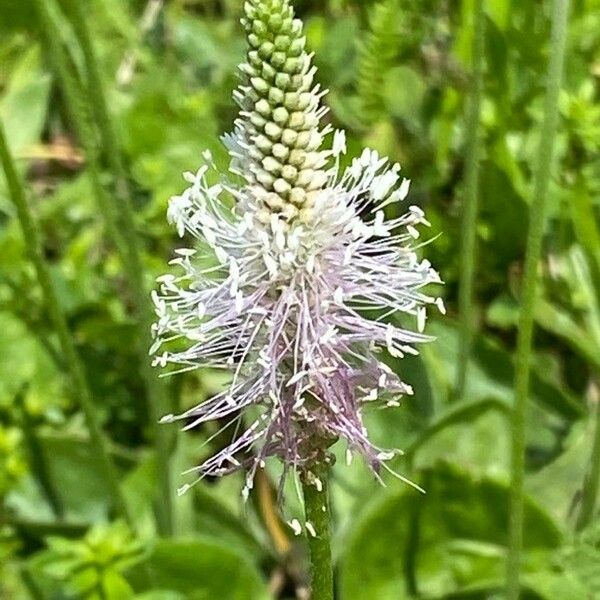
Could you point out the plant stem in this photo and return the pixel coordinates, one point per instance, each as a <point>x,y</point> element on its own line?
<point>592,481</point>
<point>542,172</point>
<point>471,201</point>
<point>315,487</point>
<point>119,222</point>
<point>134,266</point>
<point>97,100</point>
<point>81,387</point>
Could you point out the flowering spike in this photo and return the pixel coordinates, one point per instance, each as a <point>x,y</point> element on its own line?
<point>276,143</point>
<point>290,290</point>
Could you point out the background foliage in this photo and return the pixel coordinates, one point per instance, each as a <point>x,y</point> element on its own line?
<point>399,76</point>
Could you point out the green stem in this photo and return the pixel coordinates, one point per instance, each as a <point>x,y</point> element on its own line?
<point>315,487</point>
<point>97,99</point>
<point>471,201</point>
<point>119,222</point>
<point>542,173</point>
<point>79,118</point>
<point>81,387</point>
<point>592,481</point>
<point>135,269</point>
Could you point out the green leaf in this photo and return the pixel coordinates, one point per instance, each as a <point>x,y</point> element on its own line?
<point>24,104</point>
<point>558,483</point>
<point>115,587</point>
<point>161,595</point>
<point>491,373</point>
<point>77,476</point>
<point>202,569</point>
<point>403,93</point>
<point>550,585</point>
<point>25,364</point>
<point>559,323</point>
<point>449,540</point>
<point>585,222</point>
<point>465,412</point>
<point>17,14</point>
<point>334,45</point>
<point>139,487</point>
<point>503,219</point>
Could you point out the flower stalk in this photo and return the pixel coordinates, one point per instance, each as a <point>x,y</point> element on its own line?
<point>135,270</point>
<point>315,487</point>
<point>81,388</point>
<point>471,200</point>
<point>96,96</point>
<point>118,218</point>
<point>542,172</point>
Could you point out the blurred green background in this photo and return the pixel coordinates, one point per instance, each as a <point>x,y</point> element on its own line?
<point>399,78</point>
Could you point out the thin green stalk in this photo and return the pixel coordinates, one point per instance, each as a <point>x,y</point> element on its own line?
<point>135,269</point>
<point>471,201</point>
<point>82,391</point>
<point>542,173</point>
<point>315,487</point>
<point>97,100</point>
<point>78,116</point>
<point>119,221</point>
<point>592,481</point>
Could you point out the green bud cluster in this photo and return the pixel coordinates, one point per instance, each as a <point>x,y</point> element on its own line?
<point>279,138</point>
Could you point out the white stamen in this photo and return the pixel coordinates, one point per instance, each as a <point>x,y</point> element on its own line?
<point>421,318</point>
<point>296,527</point>
<point>311,529</point>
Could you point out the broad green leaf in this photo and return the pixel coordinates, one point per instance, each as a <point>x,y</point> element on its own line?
<point>465,412</point>
<point>26,363</point>
<point>201,569</point>
<point>335,48</point>
<point>452,539</point>
<point>574,571</point>
<point>504,313</point>
<point>561,324</point>
<point>24,104</point>
<point>491,373</point>
<point>115,587</point>
<point>552,585</point>
<point>139,488</point>
<point>503,219</point>
<point>76,474</point>
<point>403,93</point>
<point>161,595</point>
<point>558,483</point>
<point>585,222</point>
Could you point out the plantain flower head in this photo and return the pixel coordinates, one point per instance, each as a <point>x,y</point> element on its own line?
<point>293,271</point>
